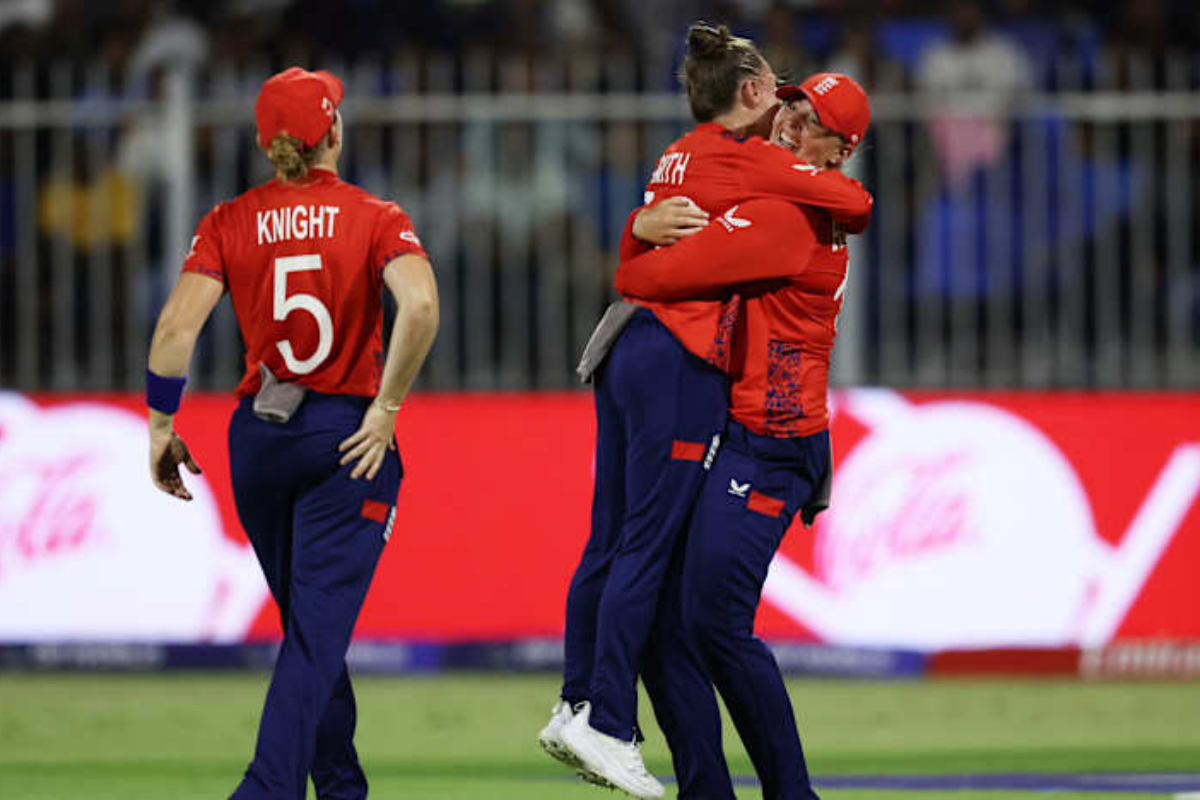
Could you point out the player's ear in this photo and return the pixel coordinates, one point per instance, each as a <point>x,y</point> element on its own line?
<point>749,91</point>
<point>843,154</point>
<point>333,139</point>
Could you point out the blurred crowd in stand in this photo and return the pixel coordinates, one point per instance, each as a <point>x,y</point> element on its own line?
<point>98,194</point>
<point>133,37</point>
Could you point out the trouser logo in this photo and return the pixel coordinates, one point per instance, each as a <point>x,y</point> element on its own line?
<point>387,529</point>
<point>711,455</point>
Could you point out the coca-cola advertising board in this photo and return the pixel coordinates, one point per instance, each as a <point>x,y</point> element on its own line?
<point>958,521</point>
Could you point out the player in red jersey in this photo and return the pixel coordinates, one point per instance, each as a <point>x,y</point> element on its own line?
<point>790,266</point>
<point>660,398</point>
<point>709,171</point>
<point>313,461</point>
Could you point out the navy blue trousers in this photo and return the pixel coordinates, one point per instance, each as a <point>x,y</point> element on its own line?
<point>318,536</point>
<point>747,502</point>
<point>659,410</point>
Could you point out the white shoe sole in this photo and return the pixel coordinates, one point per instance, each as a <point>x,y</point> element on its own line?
<point>562,754</point>
<point>559,752</point>
<point>595,779</point>
<point>593,774</point>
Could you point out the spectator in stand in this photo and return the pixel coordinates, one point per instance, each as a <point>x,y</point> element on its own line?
<point>988,69</point>
<point>781,41</point>
<point>858,56</point>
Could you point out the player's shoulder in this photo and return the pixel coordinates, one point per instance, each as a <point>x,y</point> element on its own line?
<point>367,201</point>
<point>253,198</point>
<point>221,215</point>
<point>760,149</point>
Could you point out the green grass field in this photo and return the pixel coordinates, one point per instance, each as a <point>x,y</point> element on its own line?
<point>185,736</point>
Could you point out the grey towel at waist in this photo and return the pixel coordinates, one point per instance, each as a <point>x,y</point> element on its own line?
<point>615,318</point>
<point>276,401</point>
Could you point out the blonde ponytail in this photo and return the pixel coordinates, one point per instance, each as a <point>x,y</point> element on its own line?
<point>290,157</point>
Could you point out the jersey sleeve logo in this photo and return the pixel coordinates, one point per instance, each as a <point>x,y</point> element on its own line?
<point>410,237</point>
<point>732,222</point>
<point>807,168</point>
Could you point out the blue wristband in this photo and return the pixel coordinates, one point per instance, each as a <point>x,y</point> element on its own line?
<point>163,394</point>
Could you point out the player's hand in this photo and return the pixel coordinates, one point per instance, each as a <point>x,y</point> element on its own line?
<point>167,452</point>
<point>370,443</point>
<point>669,221</point>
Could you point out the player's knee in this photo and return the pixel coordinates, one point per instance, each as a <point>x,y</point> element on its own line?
<point>724,622</point>
<point>707,623</point>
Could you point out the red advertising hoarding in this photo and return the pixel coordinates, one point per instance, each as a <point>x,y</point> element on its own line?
<point>958,521</point>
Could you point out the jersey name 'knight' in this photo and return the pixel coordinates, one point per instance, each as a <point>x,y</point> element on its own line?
<point>296,222</point>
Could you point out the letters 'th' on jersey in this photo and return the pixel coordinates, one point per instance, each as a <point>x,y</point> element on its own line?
<point>303,265</point>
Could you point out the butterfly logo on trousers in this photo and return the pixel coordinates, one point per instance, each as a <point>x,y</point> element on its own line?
<point>738,489</point>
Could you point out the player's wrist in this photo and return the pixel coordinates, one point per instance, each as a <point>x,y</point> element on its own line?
<point>164,392</point>
<point>162,426</point>
<point>388,405</point>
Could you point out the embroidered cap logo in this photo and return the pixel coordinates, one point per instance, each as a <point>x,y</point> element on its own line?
<point>823,86</point>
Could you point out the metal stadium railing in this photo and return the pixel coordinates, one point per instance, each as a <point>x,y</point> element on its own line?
<point>1034,241</point>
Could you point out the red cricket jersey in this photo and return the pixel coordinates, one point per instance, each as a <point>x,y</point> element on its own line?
<point>790,263</point>
<point>718,169</point>
<point>303,265</point>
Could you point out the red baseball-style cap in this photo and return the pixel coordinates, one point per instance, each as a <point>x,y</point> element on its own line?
<point>299,103</point>
<point>840,103</point>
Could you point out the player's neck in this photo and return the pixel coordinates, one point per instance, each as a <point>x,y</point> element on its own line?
<point>327,164</point>
<point>741,121</point>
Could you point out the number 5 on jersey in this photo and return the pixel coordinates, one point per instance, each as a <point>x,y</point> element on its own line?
<point>284,305</point>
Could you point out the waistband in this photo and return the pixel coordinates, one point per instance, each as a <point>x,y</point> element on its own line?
<point>318,403</point>
<point>772,448</point>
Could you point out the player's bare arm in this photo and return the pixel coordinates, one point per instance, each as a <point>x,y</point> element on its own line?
<point>182,318</point>
<point>411,282</point>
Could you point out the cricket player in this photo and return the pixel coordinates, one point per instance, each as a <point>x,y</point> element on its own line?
<point>314,465</point>
<point>660,406</point>
<point>774,462</point>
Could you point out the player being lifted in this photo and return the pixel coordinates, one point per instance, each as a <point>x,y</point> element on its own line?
<point>315,470</point>
<point>789,265</point>
<point>661,406</point>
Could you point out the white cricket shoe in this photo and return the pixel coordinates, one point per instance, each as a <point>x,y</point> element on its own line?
<point>550,737</point>
<point>617,762</point>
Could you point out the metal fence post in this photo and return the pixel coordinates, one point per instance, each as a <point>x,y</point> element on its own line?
<point>180,172</point>
<point>848,365</point>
